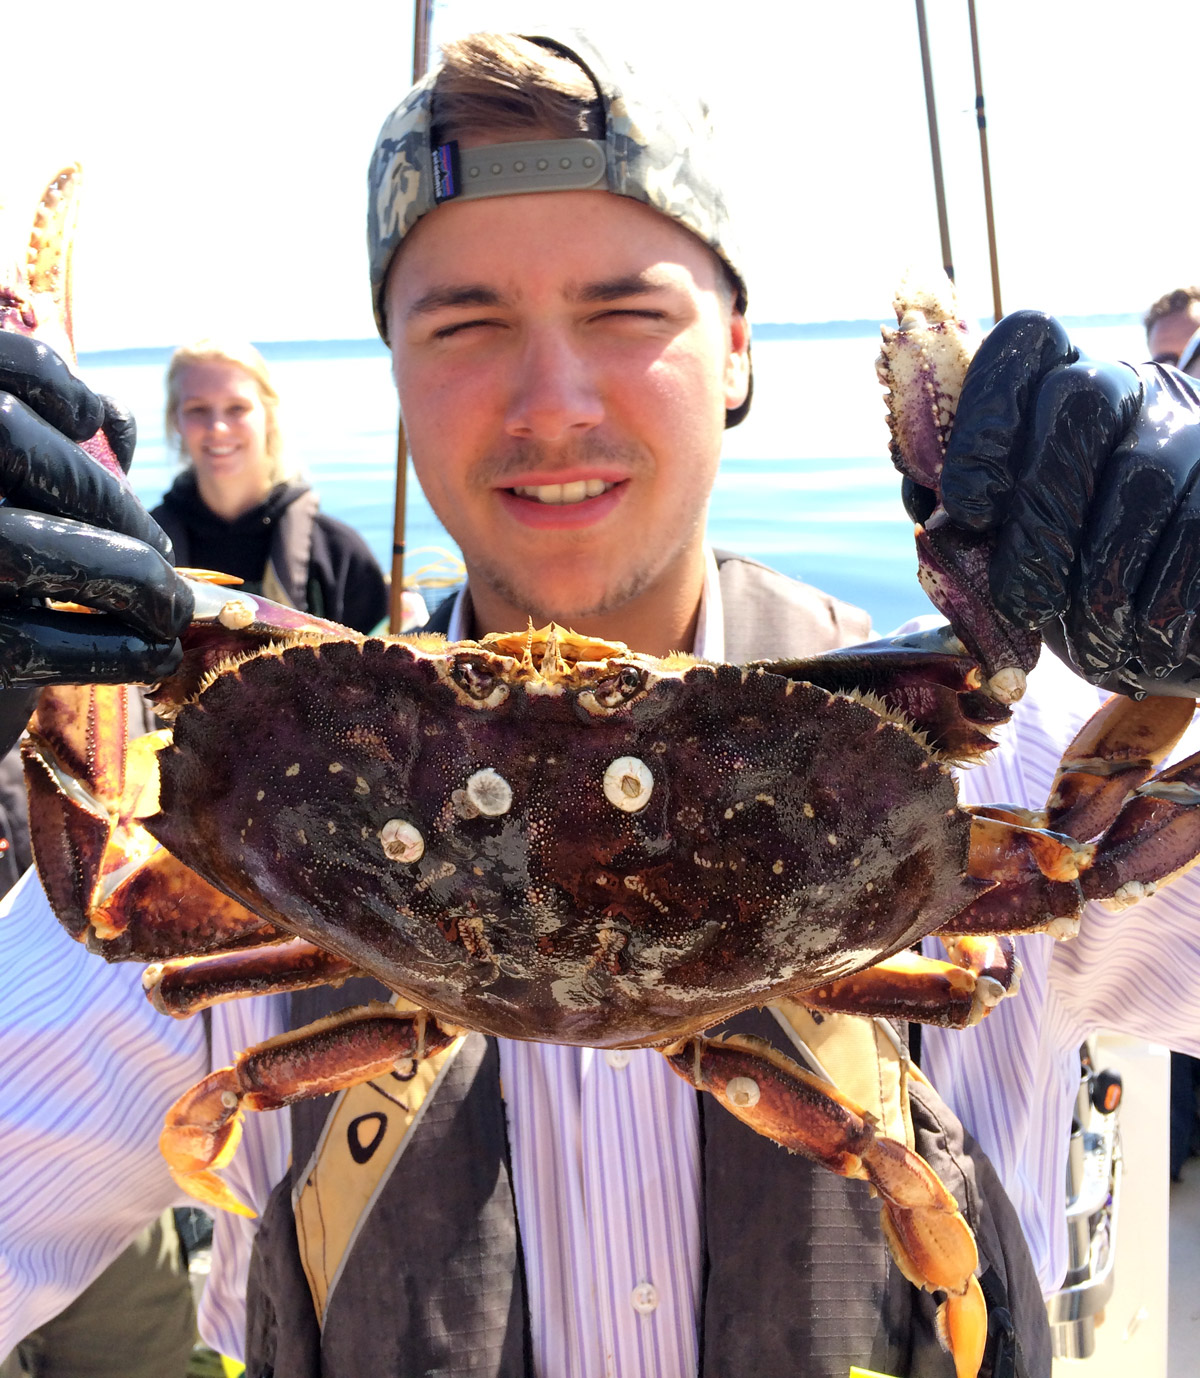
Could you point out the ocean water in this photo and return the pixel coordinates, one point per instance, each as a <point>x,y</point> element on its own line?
<point>805,483</point>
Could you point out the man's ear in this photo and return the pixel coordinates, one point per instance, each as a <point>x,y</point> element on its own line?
<point>737,363</point>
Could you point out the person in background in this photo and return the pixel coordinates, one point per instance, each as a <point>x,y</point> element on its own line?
<point>236,510</point>
<point>1171,322</point>
<point>1189,360</point>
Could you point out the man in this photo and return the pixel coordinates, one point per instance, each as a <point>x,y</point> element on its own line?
<point>567,361</point>
<point>1170,324</point>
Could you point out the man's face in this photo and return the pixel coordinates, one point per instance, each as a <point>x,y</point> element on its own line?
<point>1168,335</point>
<point>564,361</point>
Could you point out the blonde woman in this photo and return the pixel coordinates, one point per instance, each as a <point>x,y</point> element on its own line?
<point>234,508</point>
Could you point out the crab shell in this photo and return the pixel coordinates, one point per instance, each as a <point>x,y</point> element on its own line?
<point>553,839</point>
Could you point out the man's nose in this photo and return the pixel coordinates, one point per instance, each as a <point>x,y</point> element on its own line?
<point>555,392</point>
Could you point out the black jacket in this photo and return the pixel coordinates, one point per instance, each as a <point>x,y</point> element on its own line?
<point>285,548</point>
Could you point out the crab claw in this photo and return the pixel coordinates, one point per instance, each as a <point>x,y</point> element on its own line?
<point>922,365</point>
<point>202,1131</point>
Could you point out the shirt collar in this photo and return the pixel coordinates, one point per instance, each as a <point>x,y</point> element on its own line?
<point>710,625</point>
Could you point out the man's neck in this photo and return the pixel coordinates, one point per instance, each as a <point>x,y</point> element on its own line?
<point>656,622</point>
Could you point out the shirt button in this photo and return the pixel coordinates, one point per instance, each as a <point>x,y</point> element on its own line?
<point>644,1298</point>
<point>617,1058</point>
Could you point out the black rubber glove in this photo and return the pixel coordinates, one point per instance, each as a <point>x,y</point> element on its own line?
<point>69,530</point>
<point>1088,473</point>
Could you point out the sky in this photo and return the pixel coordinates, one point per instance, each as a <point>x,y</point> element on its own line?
<point>225,148</point>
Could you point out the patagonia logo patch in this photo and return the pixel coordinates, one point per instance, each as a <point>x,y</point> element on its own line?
<point>446,179</point>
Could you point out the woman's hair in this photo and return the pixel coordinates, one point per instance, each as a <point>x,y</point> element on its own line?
<point>241,355</point>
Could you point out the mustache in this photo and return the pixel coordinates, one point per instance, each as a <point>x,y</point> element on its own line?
<point>521,457</point>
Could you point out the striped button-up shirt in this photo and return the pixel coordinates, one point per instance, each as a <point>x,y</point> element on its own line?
<point>605,1158</point>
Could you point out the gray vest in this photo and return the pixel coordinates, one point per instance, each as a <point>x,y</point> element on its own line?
<point>797,1280</point>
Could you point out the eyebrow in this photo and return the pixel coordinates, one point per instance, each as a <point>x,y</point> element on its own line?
<point>449,296</point>
<point>443,298</point>
<point>613,289</point>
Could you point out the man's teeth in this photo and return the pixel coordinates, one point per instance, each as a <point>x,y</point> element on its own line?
<point>566,492</point>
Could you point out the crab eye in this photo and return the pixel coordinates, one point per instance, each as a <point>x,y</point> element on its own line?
<point>620,688</point>
<point>476,679</point>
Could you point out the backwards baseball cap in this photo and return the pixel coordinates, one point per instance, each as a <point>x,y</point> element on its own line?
<point>657,149</point>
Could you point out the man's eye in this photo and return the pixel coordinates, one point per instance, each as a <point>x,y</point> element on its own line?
<point>630,315</point>
<point>445,332</point>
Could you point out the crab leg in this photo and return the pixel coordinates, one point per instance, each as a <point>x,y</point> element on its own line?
<point>954,994</point>
<point>189,984</point>
<point>989,956</point>
<point>204,1126</point>
<point>1156,837</point>
<point>929,1239</point>
<point>1115,751</point>
<point>927,677</point>
<point>1034,877</point>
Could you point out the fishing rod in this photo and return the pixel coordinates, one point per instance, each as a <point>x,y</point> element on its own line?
<point>935,148</point>
<point>981,120</point>
<point>422,23</point>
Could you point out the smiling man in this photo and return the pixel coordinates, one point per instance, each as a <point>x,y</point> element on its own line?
<point>565,363</point>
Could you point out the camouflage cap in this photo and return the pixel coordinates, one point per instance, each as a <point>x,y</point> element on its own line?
<point>657,149</point>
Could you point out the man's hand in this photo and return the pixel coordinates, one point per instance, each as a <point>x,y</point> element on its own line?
<point>1088,473</point>
<point>70,531</point>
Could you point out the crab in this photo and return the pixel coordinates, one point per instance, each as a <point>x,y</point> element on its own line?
<point>545,836</point>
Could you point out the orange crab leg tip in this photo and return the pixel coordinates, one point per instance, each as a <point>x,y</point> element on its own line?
<point>210,1190</point>
<point>208,576</point>
<point>962,1329</point>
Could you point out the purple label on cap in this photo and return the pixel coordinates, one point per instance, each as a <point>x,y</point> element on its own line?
<point>445,171</point>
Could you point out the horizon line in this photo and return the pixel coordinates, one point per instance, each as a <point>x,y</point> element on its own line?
<point>763,330</point>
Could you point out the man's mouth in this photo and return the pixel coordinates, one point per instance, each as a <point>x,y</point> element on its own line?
<point>559,494</point>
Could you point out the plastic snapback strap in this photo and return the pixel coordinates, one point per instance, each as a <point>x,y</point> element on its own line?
<point>510,169</point>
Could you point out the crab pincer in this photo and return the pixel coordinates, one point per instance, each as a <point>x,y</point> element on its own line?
<point>923,363</point>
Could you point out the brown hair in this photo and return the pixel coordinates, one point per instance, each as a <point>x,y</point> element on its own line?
<point>1171,304</point>
<point>241,355</point>
<point>501,84</point>
<point>499,87</point>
